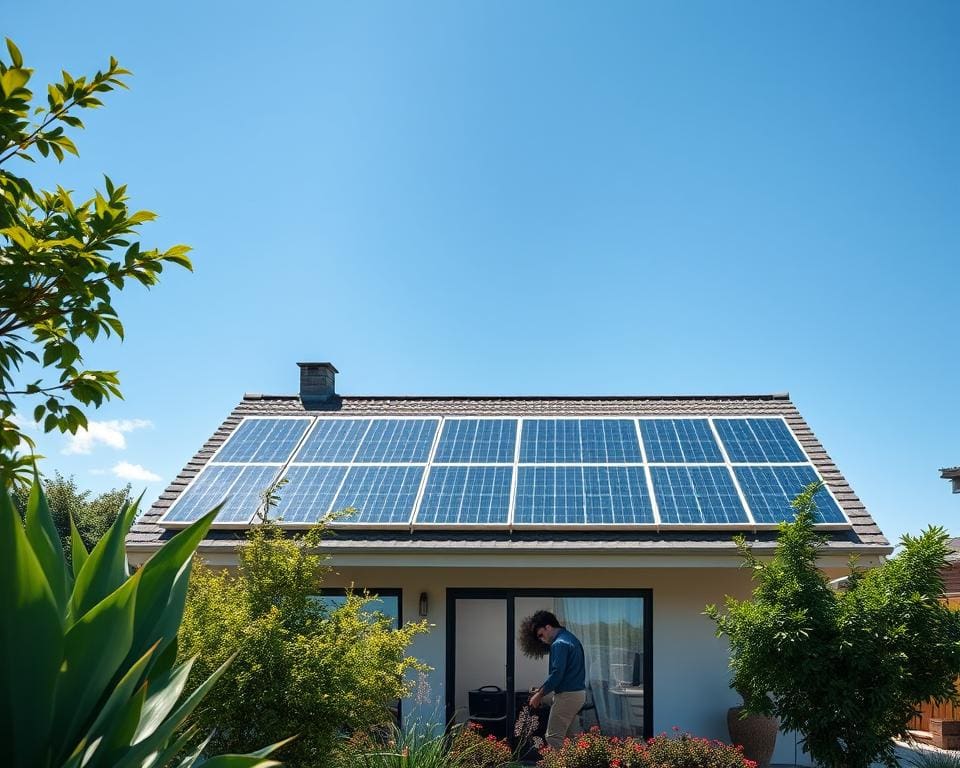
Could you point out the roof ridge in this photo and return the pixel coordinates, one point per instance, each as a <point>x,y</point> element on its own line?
<point>767,396</point>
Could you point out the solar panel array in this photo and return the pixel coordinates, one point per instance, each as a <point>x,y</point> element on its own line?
<point>535,472</point>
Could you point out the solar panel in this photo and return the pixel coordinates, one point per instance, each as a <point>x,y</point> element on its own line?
<point>572,441</point>
<point>243,485</point>
<point>769,491</point>
<point>696,495</point>
<point>477,441</point>
<point>466,495</point>
<point>332,440</point>
<point>263,440</point>
<point>755,441</point>
<point>549,495</point>
<point>679,441</point>
<point>616,495</point>
<point>379,494</point>
<point>308,494</point>
<point>397,440</point>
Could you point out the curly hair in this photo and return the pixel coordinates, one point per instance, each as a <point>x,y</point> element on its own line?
<point>530,644</point>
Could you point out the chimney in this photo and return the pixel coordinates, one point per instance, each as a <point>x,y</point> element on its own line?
<point>317,382</point>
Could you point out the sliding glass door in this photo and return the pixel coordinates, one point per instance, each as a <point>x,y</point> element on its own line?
<point>613,626</point>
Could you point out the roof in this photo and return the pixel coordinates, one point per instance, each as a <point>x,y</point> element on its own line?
<point>863,536</point>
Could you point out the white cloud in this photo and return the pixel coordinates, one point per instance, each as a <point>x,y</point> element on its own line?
<point>109,433</point>
<point>127,471</point>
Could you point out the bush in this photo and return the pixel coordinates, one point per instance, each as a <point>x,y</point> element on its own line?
<point>424,746</point>
<point>846,668</point>
<point>300,669</point>
<point>594,750</point>
<point>87,673</point>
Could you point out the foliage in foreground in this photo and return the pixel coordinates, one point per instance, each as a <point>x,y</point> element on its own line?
<point>846,669</point>
<point>423,746</point>
<point>594,750</point>
<point>61,261</point>
<point>92,517</point>
<point>87,652</point>
<point>300,669</point>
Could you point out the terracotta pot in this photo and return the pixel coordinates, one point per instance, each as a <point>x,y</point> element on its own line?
<point>757,734</point>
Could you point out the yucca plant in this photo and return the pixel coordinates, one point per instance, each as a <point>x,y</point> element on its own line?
<point>88,673</point>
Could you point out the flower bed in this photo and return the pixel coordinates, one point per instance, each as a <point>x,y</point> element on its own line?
<point>594,750</point>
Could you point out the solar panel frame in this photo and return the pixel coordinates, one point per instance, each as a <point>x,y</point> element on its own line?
<point>427,459</point>
<point>223,453</point>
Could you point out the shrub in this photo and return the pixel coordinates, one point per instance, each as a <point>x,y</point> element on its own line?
<point>424,746</point>
<point>87,673</point>
<point>300,669</point>
<point>843,668</point>
<point>594,750</point>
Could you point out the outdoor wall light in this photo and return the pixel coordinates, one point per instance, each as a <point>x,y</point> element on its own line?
<point>424,605</point>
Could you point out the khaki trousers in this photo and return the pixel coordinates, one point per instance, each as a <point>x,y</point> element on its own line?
<point>563,720</point>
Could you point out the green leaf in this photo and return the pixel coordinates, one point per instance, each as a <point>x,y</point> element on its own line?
<point>15,56</point>
<point>106,567</point>
<point>94,649</point>
<point>13,80</point>
<point>45,540</point>
<point>163,585</point>
<point>31,646</point>
<point>78,550</point>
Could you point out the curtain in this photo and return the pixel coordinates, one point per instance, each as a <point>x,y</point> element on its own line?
<point>611,631</point>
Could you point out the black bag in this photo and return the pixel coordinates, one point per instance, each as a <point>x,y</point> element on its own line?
<point>488,701</point>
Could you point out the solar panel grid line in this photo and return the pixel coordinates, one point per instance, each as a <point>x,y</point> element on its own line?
<point>340,431</point>
<point>418,500</point>
<point>250,430</point>
<point>751,518</point>
<point>512,508</point>
<point>655,507</point>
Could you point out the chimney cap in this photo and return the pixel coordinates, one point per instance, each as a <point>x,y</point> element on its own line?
<point>331,366</point>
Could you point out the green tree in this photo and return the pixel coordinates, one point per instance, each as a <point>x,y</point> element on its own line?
<point>844,668</point>
<point>300,668</point>
<point>92,517</point>
<point>61,262</point>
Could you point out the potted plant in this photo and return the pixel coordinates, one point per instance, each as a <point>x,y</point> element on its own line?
<point>757,734</point>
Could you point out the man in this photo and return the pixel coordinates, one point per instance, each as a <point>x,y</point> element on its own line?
<point>565,679</point>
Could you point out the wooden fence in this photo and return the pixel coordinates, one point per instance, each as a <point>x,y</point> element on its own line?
<point>930,708</point>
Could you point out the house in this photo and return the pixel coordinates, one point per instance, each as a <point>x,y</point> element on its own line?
<point>616,513</point>
<point>953,475</point>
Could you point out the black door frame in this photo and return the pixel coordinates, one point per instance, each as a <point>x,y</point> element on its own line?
<point>509,595</point>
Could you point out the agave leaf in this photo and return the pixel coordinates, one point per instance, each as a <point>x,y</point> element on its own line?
<point>111,712</point>
<point>171,750</point>
<point>192,758</point>
<point>45,540</point>
<point>163,587</point>
<point>166,690</point>
<point>94,648</point>
<point>31,645</point>
<point>153,743</point>
<point>237,761</point>
<point>78,550</point>
<point>118,740</point>
<point>105,569</point>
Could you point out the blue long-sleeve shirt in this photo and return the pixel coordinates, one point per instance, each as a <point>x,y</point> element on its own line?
<point>567,671</point>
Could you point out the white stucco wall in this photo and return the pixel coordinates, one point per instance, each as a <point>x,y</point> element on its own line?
<point>690,672</point>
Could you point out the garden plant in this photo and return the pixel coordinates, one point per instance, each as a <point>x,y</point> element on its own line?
<point>88,677</point>
<point>301,667</point>
<point>844,668</point>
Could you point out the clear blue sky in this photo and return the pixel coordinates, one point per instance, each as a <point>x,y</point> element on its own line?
<point>503,198</point>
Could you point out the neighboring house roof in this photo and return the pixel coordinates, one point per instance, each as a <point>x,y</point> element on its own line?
<point>862,536</point>
<point>953,475</point>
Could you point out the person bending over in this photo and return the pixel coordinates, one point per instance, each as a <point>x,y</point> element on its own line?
<point>565,679</point>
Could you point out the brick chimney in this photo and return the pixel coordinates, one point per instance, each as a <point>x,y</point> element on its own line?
<point>317,382</point>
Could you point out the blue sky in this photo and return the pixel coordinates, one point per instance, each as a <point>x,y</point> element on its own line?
<point>504,198</point>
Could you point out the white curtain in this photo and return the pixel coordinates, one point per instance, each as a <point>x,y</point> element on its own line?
<point>611,631</point>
